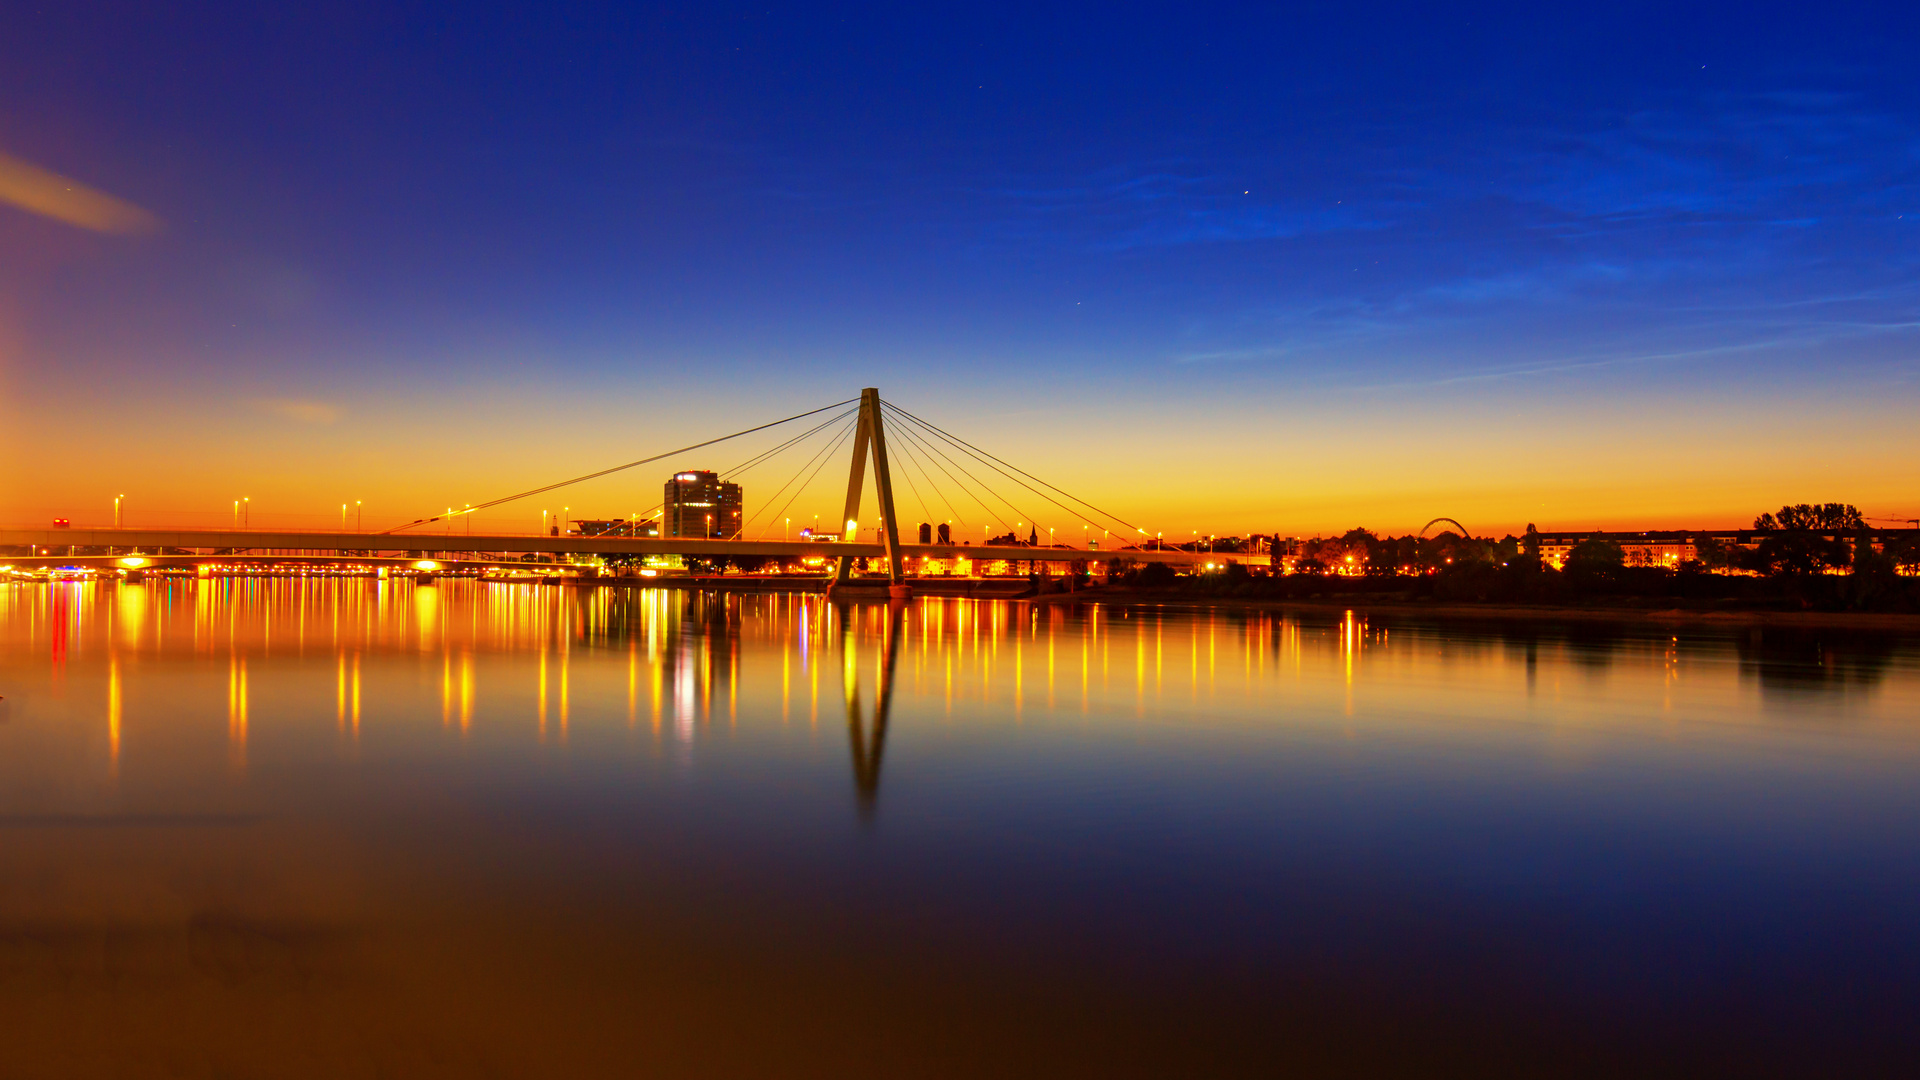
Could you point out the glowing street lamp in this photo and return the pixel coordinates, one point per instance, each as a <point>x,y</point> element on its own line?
<point>116,510</point>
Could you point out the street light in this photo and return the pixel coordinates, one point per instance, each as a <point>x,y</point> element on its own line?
<point>246,512</point>
<point>357,517</point>
<point>116,510</point>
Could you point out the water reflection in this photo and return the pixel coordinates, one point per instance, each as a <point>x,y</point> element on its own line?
<point>868,735</point>
<point>682,661</point>
<point>1790,662</point>
<point>551,814</point>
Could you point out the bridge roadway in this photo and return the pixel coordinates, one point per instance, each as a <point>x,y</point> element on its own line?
<point>423,543</point>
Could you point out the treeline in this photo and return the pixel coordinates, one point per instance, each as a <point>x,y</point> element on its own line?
<point>1807,556</point>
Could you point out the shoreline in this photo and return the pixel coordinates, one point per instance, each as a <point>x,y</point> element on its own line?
<point>863,591</point>
<point>1854,620</point>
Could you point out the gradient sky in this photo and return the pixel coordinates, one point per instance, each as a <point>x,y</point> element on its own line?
<point>1218,269</point>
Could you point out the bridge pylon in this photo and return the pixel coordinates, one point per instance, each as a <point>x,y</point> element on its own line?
<point>870,439</point>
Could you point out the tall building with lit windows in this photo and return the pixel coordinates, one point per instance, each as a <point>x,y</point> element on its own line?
<point>701,504</point>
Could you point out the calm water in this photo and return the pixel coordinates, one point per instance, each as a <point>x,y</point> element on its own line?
<point>352,828</point>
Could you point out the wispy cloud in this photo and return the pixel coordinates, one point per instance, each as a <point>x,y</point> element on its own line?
<point>38,191</point>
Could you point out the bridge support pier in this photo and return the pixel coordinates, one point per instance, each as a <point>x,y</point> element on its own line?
<point>870,439</point>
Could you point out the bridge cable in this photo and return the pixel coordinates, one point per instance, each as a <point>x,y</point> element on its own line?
<point>824,451</point>
<point>914,459</point>
<point>935,449</point>
<point>1070,510</point>
<point>908,437</point>
<point>617,468</point>
<point>831,443</point>
<point>955,438</point>
<point>908,473</point>
<point>988,460</point>
<point>824,459</point>
<point>758,459</point>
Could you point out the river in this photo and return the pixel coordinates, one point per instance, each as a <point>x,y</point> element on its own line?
<point>338,827</point>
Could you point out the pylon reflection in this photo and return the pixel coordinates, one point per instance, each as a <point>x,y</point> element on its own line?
<point>869,739</point>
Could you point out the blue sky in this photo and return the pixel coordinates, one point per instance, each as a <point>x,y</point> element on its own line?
<point>1318,244</point>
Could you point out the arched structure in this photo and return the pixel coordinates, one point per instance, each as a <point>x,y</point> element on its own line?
<point>1464,534</point>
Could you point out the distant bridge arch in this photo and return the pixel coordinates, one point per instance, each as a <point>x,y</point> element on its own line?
<point>1464,534</point>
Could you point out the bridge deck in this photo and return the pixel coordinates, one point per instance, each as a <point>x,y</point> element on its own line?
<point>424,542</point>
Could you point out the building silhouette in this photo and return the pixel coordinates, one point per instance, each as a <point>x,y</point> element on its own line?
<point>700,504</point>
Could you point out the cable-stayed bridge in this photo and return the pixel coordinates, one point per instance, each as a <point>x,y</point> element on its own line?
<point>972,485</point>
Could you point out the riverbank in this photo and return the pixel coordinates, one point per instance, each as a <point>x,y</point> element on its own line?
<point>1625,610</point>
<point>1181,600</point>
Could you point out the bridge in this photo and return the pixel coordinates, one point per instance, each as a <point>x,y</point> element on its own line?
<point>866,423</point>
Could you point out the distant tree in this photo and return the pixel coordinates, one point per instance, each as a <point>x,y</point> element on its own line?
<point>1356,548</point>
<point>1596,557</point>
<point>1386,555</point>
<point>1904,554</point>
<point>1530,543</point>
<point>1824,518</point>
<point>1155,575</point>
<point>1806,539</point>
<point>1436,554</point>
<point>1712,554</point>
<point>1309,565</point>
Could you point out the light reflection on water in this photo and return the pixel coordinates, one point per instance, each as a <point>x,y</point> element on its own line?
<point>383,807</point>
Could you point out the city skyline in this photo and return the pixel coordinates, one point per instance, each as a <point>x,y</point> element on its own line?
<point>1297,273</point>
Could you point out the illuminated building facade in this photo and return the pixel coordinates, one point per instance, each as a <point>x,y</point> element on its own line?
<point>700,504</point>
<point>617,527</point>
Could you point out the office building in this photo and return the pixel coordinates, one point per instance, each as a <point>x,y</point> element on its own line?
<point>701,504</point>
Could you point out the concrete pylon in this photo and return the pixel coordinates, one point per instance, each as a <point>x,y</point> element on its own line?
<point>870,438</point>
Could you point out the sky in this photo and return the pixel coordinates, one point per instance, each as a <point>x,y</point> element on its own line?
<point>1291,268</point>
